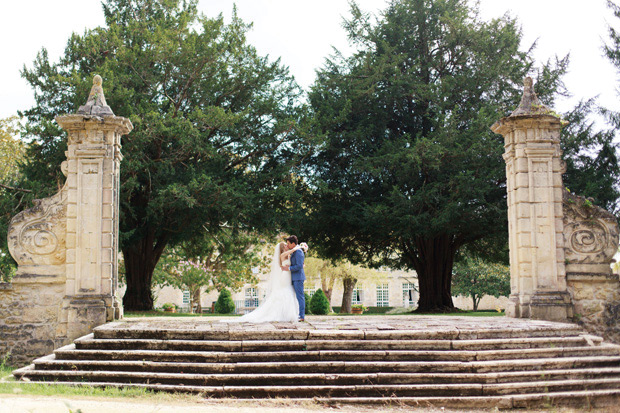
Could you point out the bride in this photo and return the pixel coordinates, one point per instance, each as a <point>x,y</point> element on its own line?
<point>281,302</point>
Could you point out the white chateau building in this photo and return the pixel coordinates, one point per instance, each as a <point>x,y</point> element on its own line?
<point>395,289</point>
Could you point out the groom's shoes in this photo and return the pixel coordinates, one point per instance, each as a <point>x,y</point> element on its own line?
<point>301,320</point>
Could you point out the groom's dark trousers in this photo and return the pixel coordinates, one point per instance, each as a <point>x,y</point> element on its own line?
<point>298,277</point>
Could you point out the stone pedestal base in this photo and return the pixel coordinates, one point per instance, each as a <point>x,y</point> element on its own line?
<point>514,307</point>
<point>553,306</point>
<point>115,312</point>
<point>84,314</point>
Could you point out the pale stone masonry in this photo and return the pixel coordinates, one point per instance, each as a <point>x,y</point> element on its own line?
<point>66,245</point>
<point>561,245</point>
<point>591,236</point>
<point>534,184</point>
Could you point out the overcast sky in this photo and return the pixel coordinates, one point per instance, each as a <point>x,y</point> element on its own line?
<point>303,32</point>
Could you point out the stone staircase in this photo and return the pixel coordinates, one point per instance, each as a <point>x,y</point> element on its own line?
<point>455,362</point>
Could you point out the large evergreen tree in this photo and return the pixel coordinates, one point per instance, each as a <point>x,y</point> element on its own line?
<point>212,125</point>
<point>408,171</point>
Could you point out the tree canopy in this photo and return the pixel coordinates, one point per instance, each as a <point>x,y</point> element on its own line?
<point>475,278</point>
<point>407,171</point>
<point>213,122</point>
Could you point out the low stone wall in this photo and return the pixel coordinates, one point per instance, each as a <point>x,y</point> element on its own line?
<point>30,324</point>
<point>596,300</point>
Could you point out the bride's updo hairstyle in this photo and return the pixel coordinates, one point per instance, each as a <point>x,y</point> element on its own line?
<point>281,250</point>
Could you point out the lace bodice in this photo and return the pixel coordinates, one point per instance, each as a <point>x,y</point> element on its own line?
<point>286,263</point>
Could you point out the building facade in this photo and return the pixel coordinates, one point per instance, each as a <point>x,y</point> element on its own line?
<point>390,289</point>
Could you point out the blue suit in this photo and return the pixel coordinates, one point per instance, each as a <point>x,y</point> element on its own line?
<point>298,276</point>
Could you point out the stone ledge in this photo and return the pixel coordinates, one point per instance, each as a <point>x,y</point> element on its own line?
<point>6,286</point>
<point>591,277</point>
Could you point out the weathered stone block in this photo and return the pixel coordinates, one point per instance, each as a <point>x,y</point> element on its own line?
<point>107,211</point>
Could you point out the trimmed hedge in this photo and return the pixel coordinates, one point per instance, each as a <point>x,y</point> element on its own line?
<point>319,304</point>
<point>225,303</point>
<point>369,310</point>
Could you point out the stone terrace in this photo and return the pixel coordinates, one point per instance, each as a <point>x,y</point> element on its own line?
<point>442,361</point>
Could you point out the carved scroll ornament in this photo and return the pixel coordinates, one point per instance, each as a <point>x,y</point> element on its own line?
<point>590,232</point>
<point>36,236</point>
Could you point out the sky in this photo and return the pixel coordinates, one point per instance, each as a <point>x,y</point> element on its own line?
<point>302,33</point>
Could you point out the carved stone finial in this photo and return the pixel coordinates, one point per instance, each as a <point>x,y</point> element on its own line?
<point>530,105</point>
<point>96,104</point>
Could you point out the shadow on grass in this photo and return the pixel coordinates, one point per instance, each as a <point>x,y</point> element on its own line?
<point>157,313</point>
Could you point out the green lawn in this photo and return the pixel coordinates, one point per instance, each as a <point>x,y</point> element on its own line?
<point>157,313</point>
<point>481,313</point>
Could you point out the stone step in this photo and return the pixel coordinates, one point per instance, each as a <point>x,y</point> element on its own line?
<point>71,353</point>
<point>579,399</point>
<point>226,332</point>
<point>583,400</point>
<point>493,366</point>
<point>453,363</point>
<point>329,388</point>
<point>191,376</point>
<point>317,345</point>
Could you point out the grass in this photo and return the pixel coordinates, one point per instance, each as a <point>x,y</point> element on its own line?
<point>5,372</point>
<point>395,311</point>
<point>405,311</point>
<point>481,313</point>
<point>59,390</point>
<point>157,313</point>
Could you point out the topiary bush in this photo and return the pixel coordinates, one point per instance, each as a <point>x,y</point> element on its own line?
<point>319,304</point>
<point>225,303</point>
<point>307,309</point>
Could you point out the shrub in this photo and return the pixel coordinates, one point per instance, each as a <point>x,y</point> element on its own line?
<point>225,303</point>
<point>307,297</point>
<point>319,304</point>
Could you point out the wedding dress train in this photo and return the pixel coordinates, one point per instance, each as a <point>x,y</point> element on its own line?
<point>281,302</point>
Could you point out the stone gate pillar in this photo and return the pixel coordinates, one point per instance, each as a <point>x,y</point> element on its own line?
<point>66,245</point>
<point>93,185</point>
<point>534,183</point>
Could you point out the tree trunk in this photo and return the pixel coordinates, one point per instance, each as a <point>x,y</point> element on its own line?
<point>328,289</point>
<point>347,295</point>
<point>195,300</point>
<point>433,259</point>
<point>140,261</point>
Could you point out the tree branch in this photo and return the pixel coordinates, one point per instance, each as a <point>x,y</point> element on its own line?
<point>15,189</point>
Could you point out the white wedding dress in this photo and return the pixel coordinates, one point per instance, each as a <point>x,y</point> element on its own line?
<point>281,302</point>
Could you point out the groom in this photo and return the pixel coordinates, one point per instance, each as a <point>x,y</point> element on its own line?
<point>297,274</point>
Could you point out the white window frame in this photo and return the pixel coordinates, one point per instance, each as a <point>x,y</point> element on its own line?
<point>408,299</point>
<point>358,295</point>
<point>251,297</point>
<point>383,295</point>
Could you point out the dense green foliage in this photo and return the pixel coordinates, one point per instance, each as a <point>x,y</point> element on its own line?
<point>475,278</point>
<point>213,122</point>
<point>225,303</point>
<point>407,171</point>
<point>12,154</point>
<point>591,156</point>
<point>307,309</point>
<point>319,304</point>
